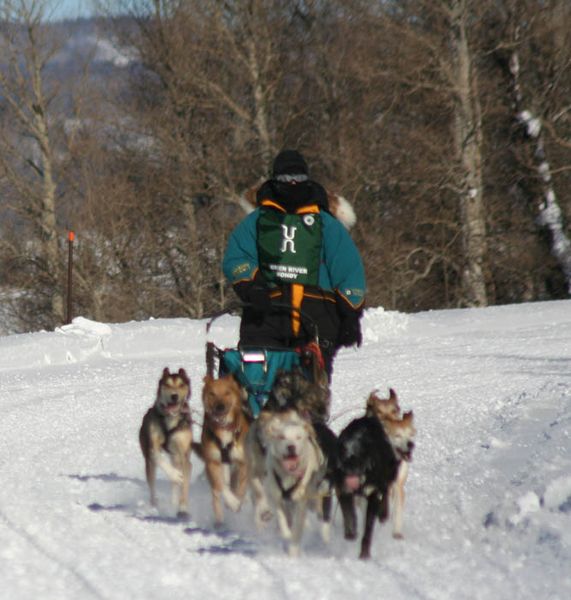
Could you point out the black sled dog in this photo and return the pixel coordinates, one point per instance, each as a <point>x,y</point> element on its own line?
<point>366,467</point>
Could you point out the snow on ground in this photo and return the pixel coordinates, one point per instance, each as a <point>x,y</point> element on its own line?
<point>488,508</point>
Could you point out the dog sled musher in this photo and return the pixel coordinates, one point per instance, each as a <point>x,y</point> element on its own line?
<point>256,367</point>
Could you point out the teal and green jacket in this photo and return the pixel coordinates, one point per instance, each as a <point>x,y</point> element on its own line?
<point>338,284</point>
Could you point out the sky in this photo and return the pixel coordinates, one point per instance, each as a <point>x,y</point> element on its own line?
<point>488,505</point>
<point>71,9</point>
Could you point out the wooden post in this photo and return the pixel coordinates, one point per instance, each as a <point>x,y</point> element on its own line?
<point>70,239</point>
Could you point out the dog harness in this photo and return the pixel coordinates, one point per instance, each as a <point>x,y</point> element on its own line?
<point>183,421</point>
<point>226,449</point>
<point>286,493</point>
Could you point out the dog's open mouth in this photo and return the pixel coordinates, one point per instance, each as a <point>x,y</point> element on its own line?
<point>290,463</point>
<point>171,408</point>
<point>218,419</point>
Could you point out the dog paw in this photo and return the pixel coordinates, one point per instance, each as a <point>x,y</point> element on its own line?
<point>263,516</point>
<point>175,476</point>
<point>266,515</point>
<point>397,535</point>
<point>232,501</point>
<point>293,550</point>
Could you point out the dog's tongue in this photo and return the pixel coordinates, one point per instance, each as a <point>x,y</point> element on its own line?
<point>352,483</point>
<point>290,463</point>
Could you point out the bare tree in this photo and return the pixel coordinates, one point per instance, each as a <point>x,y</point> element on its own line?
<point>468,147</point>
<point>550,214</point>
<point>206,98</point>
<point>27,155</point>
<point>410,137</point>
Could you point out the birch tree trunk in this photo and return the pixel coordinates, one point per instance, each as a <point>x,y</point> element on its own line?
<point>468,148</point>
<point>549,211</point>
<point>261,103</point>
<point>23,88</point>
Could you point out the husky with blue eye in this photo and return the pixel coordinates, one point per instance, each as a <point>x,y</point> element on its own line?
<point>165,437</point>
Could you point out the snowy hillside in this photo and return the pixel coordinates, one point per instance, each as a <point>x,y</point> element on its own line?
<point>488,509</point>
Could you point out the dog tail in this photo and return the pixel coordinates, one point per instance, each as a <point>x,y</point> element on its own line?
<point>197,447</point>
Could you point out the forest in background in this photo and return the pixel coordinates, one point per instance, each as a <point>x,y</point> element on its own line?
<point>446,123</point>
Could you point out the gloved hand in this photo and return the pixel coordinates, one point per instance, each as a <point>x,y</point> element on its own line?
<point>350,330</point>
<point>259,297</point>
<point>350,323</point>
<point>254,293</point>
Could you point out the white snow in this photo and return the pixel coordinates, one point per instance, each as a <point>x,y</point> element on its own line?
<point>488,506</point>
<point>107,51</point>
<point>532,123</point>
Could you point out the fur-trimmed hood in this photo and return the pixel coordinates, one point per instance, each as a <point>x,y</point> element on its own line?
<point>335,204</point>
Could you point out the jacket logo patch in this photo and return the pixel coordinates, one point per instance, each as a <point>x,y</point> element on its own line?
<point>288,239</point>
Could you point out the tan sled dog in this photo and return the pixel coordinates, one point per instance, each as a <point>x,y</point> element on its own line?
<point>222,444</point>
<point>167,426</point>
<point>401,433</point>
<point>383,408</point>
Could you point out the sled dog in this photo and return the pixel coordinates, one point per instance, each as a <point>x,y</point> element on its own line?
<point>401,433</point>
<point>167,428</point>
<point>311,397</point>
<point>224,430</point>
<point>294,469</point>
<point>367,466</point>
<point>383,408</point>
<point>292,390</point>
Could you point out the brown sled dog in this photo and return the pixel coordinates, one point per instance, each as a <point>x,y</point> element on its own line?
<point>224,430</point>
<point>167,426</point>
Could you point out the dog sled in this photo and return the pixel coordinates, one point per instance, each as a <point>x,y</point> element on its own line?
<point>256,368</point>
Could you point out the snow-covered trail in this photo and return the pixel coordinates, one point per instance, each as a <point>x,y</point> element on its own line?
<point>488,510</point>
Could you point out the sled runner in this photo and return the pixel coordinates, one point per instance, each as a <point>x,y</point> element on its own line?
<point>256,368</point>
